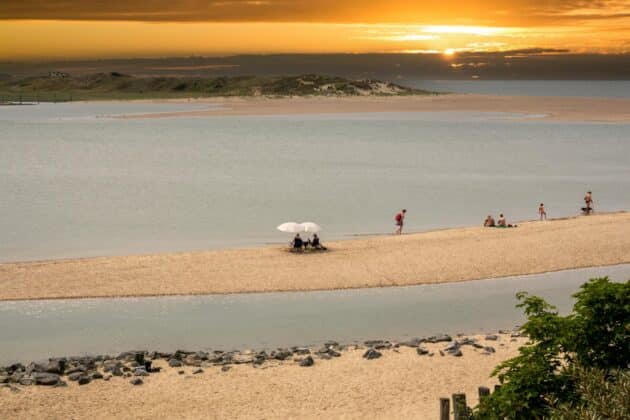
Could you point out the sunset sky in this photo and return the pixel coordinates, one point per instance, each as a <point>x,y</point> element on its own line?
<point>46,29</point>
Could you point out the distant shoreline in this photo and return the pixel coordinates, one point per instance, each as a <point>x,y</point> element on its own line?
<point>524,107</point>
<point>450,255</point>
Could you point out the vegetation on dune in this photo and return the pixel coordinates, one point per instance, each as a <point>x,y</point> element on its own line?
<point>575,367</point>
<point>115,85</point>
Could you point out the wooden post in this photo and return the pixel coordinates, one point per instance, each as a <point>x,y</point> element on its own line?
<point>483,392</point>
<point>459,407</point>
<point>445,409</point>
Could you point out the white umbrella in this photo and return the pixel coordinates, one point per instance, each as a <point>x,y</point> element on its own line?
<point>311,227</point>
<point>291,227</point>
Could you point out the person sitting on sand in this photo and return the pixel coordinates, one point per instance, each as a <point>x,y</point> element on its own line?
<point>316,244</point>
<point>542,212</point>
<point>297,243</point>
<point>501,222</point>
<point>489,222</point>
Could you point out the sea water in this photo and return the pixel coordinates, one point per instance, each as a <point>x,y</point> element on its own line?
<point>77,182</point>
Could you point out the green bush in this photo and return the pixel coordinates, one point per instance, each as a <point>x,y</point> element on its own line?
<point>543,376</point>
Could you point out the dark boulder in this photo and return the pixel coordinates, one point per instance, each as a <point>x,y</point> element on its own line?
<point>47,379</point>
<point>307,361</point>
<point>175,363</point>
<point>84,380</point>
<point>136,381</point>
<point>422,351</point>
<point>371,354</point>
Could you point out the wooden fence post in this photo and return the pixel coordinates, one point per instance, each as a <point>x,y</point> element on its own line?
<point>460,410</point>
<point>483,392</point>
<point>445,409</point>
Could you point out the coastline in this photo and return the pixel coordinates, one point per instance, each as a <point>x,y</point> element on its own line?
<point>405,380</point>
<point>441,256</point>
<point>552,108</point>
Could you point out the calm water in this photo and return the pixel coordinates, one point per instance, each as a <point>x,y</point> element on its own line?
<point>575,88</point>
<point>76,183</point>
<point>34,330</point>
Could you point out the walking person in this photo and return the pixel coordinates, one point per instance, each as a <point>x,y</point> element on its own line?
<point>400,220</point>
<point>542,212</point>
<point>588,200</point>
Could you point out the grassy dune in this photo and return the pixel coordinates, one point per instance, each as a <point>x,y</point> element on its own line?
<point>114,85</point>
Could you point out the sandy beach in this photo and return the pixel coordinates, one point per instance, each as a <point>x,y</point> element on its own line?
<point>400,384</point>
<point>552,108</point>
<point>431,257</point>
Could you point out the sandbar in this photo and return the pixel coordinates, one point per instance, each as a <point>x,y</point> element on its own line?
<point>448,255</point>
<point>539,107</point>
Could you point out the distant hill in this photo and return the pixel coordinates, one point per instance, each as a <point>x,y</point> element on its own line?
<point>114,85</point>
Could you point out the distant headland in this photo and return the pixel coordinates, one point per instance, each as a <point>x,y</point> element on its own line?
<point>60,87</point>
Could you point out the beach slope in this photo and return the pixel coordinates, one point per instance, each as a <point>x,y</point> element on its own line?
<point>431,257</point>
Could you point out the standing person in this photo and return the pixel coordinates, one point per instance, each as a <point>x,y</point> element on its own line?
<point>542,212</point>
<point>400,220</point>
<point>588,200</point>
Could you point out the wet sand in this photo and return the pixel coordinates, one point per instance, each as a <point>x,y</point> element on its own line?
<point>398,385</point>
<point>552,108</point>
<point>431,257</point>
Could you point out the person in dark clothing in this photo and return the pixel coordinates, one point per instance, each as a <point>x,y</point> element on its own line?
<point>297,243</point>
<point>316,244</point>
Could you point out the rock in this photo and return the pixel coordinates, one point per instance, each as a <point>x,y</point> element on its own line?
<point>371,354</point>
<point>307,361</point>
<point>16,376</point>
<point>243,358</point>
<point>60,384</point>
<point>34,367</point>
<point>175,363</point>
<point>4,379</point>
<point>136,381</point>
<point>47,379</point>
<point>489,349</point>
<point>492,337</point>
<point>84,380</point>
<point>324,356</point>
<point>140,372</point>
<point>441,353</point>
<point>282,354</point>
<point>56,366</point>
<point>139,358</point>
<point>457,353</point>
<point>414,342</point>
<point>331,344</point>
<point>27,381</point>
<point>422,351</point>
<point>74,376</point>
<point>439,338</point>
<point>378,344</point>
<point>225,368</point>
<point>181,372</point>
<point>107,377</point>
<point>197,371</point>
<point>300,350</point>
<point>515,334</point>
<point>147,366</point>
<point>477,346</point>
<point>452,347</point>
<point>116,371</point>
<point>97,375</point>
<point>75,369</point>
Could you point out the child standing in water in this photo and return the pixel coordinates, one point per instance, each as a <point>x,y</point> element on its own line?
<point>542,212</point>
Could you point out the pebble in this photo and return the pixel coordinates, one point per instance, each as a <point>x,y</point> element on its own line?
<point>136,381</point>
